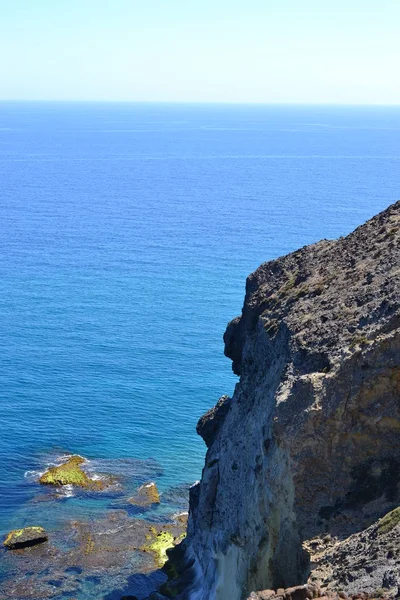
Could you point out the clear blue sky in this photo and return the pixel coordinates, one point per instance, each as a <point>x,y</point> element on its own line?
<point>335,51</point>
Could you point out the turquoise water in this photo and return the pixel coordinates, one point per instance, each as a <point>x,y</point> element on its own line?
<point>126,234</point>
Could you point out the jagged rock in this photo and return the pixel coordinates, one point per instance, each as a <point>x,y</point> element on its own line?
<point>309,444</point>
<point>367,561</point>
<point>210,423</point>
<point>316,594</point>
<point>23,538</point>
<point>146,495</point>
<point>299,592</point>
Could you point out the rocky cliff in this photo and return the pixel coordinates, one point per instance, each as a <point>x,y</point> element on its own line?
<point>309,442</point>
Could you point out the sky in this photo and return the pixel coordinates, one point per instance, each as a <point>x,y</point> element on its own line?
<point>261,51</point>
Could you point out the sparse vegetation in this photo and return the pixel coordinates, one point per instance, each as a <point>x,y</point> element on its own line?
<point>389,521</point>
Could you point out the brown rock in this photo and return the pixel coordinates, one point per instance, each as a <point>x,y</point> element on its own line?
<point>299,592</point>
<point>146,495</point>
<point>266,595</point>
<point>182,518</point>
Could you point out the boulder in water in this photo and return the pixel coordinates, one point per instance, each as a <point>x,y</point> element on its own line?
<point>70,473</point>
<point>146,495</point>
<point>22,538</point>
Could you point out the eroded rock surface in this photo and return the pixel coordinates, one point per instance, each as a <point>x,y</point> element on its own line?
<point>210,423</point>
<point>366,565</point>
<point>310,442</point>
<point>368,561</point>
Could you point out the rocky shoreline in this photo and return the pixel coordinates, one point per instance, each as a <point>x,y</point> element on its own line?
<point>117,553</point>
<point>109,557</point>
<point>300,491</point>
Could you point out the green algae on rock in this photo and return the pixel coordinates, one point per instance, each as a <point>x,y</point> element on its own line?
<point>146,495</point>
<point>160,541</point>
<point>70,473</point>
<point>22,538</point>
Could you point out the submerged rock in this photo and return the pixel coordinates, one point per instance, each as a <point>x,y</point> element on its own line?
<point>146,495</point>
<point>23,538</point>
<point>116,551</point>
<point>71,473</point>
<point>178,495</point>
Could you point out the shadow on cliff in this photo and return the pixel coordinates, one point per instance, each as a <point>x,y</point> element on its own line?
<point>139,585</point>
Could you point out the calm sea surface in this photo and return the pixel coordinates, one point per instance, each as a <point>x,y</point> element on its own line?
<point>126,235</point>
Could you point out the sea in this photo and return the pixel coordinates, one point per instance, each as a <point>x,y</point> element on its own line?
<point>127,231</point>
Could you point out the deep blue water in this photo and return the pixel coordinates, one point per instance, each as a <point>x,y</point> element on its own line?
<point>126,235</point>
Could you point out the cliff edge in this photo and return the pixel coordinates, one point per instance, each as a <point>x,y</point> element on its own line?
<point>309,443</point>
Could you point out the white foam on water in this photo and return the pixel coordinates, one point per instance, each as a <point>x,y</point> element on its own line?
<point>176,516</point>
<point>67,491</point>
<point>33,475</point>
<point>65,457</point>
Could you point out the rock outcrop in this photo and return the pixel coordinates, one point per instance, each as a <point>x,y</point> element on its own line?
<point>312,592</point>
<point>210,423</point>
<point>70,472</point>
<point>24,538</point>
<point>146,496</point>
<point>368,561</point>
<point>309,442</point>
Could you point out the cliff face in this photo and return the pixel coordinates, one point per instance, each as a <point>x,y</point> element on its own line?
<point>309,442</point>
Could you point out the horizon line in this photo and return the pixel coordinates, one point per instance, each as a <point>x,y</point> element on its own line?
<point>195,102</point>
